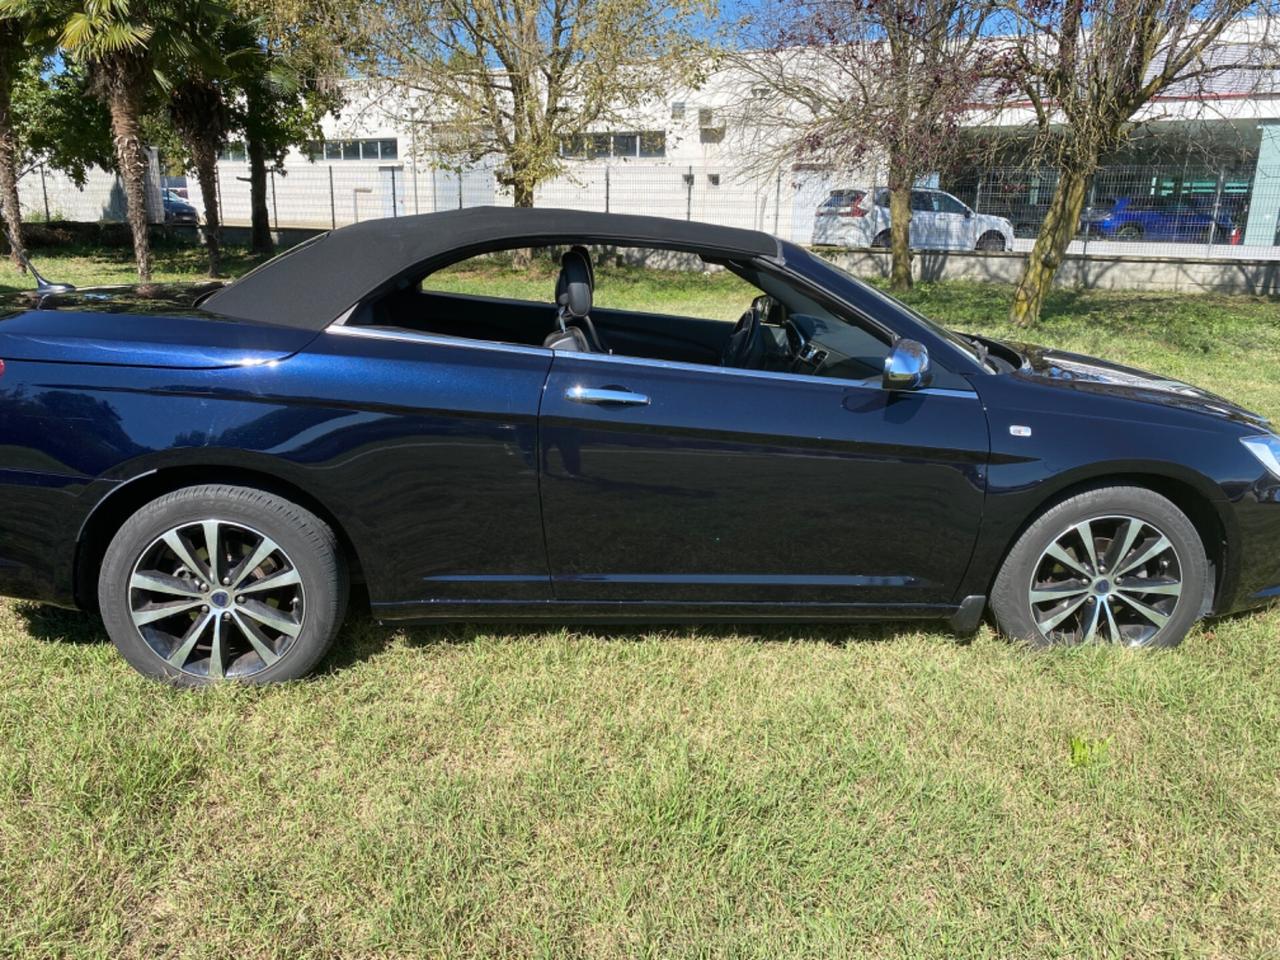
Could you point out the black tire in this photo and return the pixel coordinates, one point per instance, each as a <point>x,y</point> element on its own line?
<point>881,240</point>
<point>991,242</point>
<point>1130,232</point>
<point>1023,570</point>
<point>306,549</point>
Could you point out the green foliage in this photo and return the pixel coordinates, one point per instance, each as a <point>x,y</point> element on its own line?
<point>58,122</point>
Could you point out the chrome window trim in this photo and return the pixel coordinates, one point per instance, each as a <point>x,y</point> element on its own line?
<point>410,336</point>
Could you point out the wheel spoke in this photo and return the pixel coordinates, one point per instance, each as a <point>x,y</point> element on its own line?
<point>1121,546</point>
<point>1160,546</point>
<point>1085,531</point>
<point>1141,585</point>
<point>1053,621</point>
<point>158,611</point>
<point>1058,553</point>
<point>189,640</point>
<point>211,544</point>
<point>272,617</point>
<point>1092,628</point>
<point>256,638</point>
<point>264,549</point>
<point>173,539</point>
<point>1151,613</point>
<point>156,582</point>
<point>215,649</point>
<point>1113,628</point>
<point>1060,592</point>
<point>284,578</point>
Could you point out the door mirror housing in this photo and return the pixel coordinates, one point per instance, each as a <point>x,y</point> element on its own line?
<point>907,366</point>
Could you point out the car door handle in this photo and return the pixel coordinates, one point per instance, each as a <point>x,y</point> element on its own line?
<point>606,395</point>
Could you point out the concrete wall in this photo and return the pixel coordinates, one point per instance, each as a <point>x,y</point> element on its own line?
<point>1079,272</point>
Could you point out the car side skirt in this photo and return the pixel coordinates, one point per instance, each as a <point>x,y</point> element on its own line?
<point>962,615</point>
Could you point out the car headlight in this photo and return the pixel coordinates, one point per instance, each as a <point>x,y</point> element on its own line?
<point>1267,450</point>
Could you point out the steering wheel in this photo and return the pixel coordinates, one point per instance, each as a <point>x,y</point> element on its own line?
<point>744,342</point>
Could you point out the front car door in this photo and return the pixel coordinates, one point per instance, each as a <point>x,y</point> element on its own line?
<point>955,222</point>
<point>697,484</point>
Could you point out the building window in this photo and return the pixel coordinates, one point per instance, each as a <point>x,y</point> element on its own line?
<point>653,143</point>
<point>233,151</point>
<point>352,149</point>
<point>630,143</point>
<point>677,110</point>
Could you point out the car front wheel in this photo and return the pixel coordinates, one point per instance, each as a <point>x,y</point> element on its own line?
<point>1118,565</point>
<point>222,582</point>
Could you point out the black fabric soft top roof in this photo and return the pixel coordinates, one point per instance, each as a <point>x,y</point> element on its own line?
<point>313,284</point>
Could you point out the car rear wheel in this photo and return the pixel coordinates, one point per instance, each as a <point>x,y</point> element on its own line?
<point>218,582</point>
<point>881,240</point>
<point>1117,565</point>
<point>1130,231</point>
<point>991,242</point>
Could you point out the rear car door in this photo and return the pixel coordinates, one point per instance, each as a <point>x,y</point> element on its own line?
<point>697,484</point>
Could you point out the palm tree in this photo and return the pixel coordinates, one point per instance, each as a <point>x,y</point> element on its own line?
<point>130,50</point>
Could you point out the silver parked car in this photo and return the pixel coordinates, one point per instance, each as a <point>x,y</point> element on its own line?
<point>850,218</point>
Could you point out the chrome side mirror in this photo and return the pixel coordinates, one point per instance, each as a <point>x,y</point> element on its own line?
<point>907,366</point>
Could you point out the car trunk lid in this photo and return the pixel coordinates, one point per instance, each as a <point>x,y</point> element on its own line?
<point>148,325</point>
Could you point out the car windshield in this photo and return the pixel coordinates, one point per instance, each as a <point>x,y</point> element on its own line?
<point>973,348</point>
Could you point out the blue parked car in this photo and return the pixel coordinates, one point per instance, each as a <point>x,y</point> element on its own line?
<point>1164,220</point>
<point>209,468</point>
<point>178,210</point>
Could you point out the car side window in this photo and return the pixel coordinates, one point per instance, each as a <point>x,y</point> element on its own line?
<point>922,201</point>
<point>949,204</point>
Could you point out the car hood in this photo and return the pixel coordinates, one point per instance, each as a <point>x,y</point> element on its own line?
<point>1094,375</point>
<point>146,325</point>
<point>987,221</point>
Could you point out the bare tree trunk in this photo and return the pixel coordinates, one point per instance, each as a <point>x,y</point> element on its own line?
<point>1056,231</point>
<point>522,194</point>
<point>206,161</point>
<point>260,239</point>
<point>132,161</point>
<point>899,227</point>
<point>9,204</point>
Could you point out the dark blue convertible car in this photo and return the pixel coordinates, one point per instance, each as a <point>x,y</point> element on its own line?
<point>209,468</point>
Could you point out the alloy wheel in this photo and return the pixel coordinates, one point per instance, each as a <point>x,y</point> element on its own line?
<point>1113,579</point>
<point>216,599</point>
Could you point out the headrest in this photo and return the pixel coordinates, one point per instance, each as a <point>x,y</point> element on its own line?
<point>572,340</point>
<point>573,288</point>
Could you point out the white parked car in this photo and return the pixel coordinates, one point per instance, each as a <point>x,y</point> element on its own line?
<point>849,218</point>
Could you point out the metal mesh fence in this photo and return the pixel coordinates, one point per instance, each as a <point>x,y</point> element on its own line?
<point>1180,213</point>
<point>1168,211</point>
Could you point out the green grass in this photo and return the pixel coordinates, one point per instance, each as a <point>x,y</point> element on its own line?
<point>875,791</point>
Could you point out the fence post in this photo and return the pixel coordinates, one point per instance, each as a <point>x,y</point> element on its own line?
<point>688,201</point>
<point>275,210</point>
<point>333,204</point>
<point>394,213</point>
<point>1213,221</point>
<point>459,188</point>
<point>217,193</point>
<point>44,190</point>
<point>606,188</point>
<point>435,191</point>
<point>1093,198</point>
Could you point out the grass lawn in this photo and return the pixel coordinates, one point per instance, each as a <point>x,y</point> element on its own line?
<point>872,791</point>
